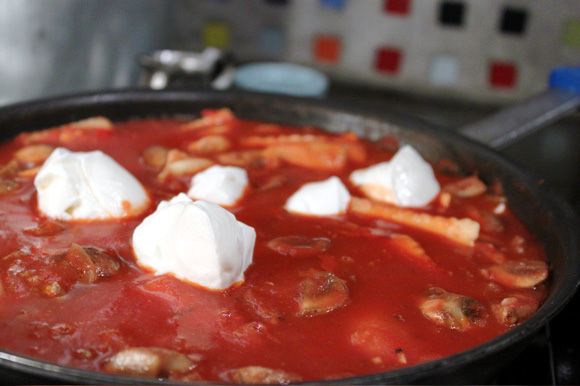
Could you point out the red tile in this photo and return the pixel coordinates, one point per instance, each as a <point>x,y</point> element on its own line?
<point>327,49</point>
<point>388,60</point>
<point>503,74</point>
<point>397,7</point>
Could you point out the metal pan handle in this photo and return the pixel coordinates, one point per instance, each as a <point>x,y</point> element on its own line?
<point>517,121</point>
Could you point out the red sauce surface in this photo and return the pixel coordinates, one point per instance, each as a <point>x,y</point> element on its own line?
<point>255,323</point>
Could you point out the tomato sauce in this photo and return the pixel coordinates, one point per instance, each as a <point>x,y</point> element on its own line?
<point>379,325</point>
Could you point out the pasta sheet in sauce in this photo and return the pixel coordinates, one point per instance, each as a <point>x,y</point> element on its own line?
<point>373,289</point>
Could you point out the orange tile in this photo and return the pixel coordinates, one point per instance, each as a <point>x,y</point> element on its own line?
<point>327,49</point>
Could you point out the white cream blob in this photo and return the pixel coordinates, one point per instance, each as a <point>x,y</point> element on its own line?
<point>324,198</point>
<point>198,242</point>
<point>87,186</point>
<point>406,180</point>
<point>222,185</point>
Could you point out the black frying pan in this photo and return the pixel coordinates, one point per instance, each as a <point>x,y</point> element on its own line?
<point>548,216</point>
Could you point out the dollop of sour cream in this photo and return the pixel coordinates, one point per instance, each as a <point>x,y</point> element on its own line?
<point>87,186</point>
<point>198,242</point>
<point>406,180</point>
<point>322,198</point>
<point>222,185</point>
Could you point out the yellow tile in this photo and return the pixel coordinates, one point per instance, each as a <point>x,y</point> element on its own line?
<point>216,34</point>
<point>572,33</point>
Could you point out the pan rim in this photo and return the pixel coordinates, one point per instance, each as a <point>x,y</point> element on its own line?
<point>548,310</point>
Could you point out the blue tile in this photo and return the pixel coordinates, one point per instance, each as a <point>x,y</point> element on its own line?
<point>335,4</point>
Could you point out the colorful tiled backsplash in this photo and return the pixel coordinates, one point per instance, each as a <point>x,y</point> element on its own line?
<point>492,50</point>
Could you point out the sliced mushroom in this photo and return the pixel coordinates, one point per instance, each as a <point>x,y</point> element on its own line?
<point>8,185</point>
<point>33,154</point>
<point>210,144</point>
<point>321,293</point>
<point>34,274</point>
<point>188,166</point>
<point>85,128</point>
<point>517,274</point>
<point>9,170</point>
<point>466,187</point>
<point>210,118</point>
<point>91,263</point>
<point>54,275</point>
<point>451,310</point>
<point>17,168</point>
<point>8,173</point>
<point>149,361</point>
<point>80,260</point>
<point>155,156</point>
<point>179,164</point>
<point>515,309</point>
<point>93,123</point>
<point>106,265</point>
<point>29,173</point>
<point>259,374</point>
<point>299,246</point>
